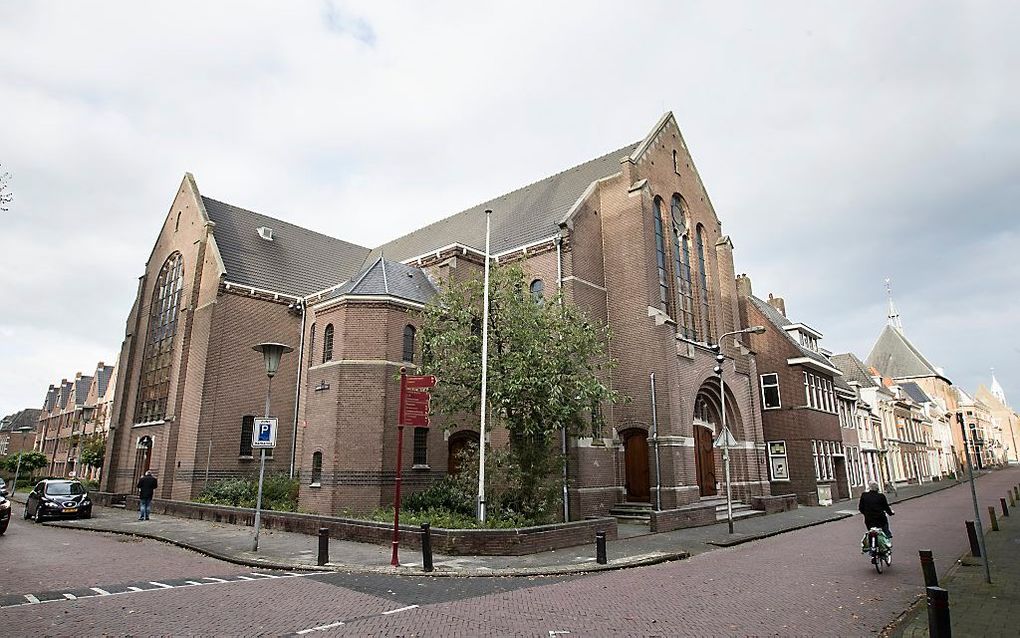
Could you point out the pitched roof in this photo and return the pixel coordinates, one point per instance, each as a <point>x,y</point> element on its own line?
<point>28,417</point>
<point>51,398</point>
<point>780,322</point>
<point>297,261</point>
<point>63,394</point>
<point>103,375</point>
<point>853,369</point>
<point>915,392</point>
<point>81,389</point>
<point>526,215</point>
<point>386,278</point>
<point>894,356</point>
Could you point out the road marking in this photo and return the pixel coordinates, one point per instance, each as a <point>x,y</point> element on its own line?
<point>132,588</point>
<point>245,578</point>
<point>30,598</point>
<point>264,575</point>
<point>393,611</point>
<point>191,582</point>
<point>163,585</point>
<point>216,580</point>
<point>101,592</point>
<point>319,628</point>
<point>70,597</point>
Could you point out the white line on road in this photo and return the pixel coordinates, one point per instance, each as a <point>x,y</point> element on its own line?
<point>132,588</point>
<point>191,582</point>
<point>393,611</point>
<point>245,578</point>
<point>163,585</point>
<point>319,628</point>
<point>70,597</point>
<point>30,598</point>
<point>264,575</point>
<point>216,580</point>
<point>101,592</point>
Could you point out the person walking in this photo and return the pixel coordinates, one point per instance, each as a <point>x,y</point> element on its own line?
<point>146,488</point>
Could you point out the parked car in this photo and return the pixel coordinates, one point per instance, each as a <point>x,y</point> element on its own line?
<point>3,488</point>
<point>55,498</point>
<point>5,514</point>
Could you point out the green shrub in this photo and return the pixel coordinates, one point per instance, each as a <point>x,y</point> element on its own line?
<point>278,493</point>
<point>446,519</point>
<point>447,494</point>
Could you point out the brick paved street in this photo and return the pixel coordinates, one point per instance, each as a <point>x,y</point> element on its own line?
<point>807,582</point>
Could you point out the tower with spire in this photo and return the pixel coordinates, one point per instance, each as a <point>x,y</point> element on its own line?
<point>997,390</point>
<point>894,315</point>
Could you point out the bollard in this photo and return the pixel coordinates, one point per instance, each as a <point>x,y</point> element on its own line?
<point>426,547</point>
<point>1016,492</point>
<point>991,515</point>
<point>1005,510</point>
<point>938,612</point>
<point>323,546</point>
<point>1010,495</point>
<point>931,579</point>
<point>975,547</point>
<point>600,548</point>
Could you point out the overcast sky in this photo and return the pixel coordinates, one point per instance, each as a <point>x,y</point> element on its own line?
<point>842,143</point>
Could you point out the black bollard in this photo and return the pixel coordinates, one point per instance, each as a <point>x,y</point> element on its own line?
<point>1016,492</point>
<point>931,579</point>
<point>1005,509</point>
<point>600,548</point>
<point>938,612</point>
<point>426,547</point>
<point>975,547</point>
<point>991,515</point>
<point>1009,493</point>
<point>323,546</point>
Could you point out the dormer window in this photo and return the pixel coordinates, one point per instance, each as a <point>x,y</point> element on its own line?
<point>265,233</point>
<point>808,341</point>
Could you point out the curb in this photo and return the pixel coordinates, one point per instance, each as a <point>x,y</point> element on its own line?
<point>758,537</point>
<point>641,560</point>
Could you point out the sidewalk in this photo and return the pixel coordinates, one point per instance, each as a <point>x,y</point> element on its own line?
<point>288,550</point>
<point>975,607</point>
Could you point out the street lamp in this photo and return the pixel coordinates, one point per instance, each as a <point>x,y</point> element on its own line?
<point>726,436</point>
<point>271,354</point>
<point>21,453</point>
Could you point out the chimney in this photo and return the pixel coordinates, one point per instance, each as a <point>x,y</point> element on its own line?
<point>744,285</point>
<point>778,304</point>
<point>77,375</point>
<point>101,365</point>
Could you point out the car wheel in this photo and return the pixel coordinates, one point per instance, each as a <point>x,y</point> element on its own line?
<point>3,526</point>
<point>38,514</point>
<point>27,515</point>
<point>87,514</point>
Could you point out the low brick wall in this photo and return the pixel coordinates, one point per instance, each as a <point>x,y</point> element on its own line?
<point>107,499</point>
<point>689,516</point>
<point>775,503</point>
<point>464,542</point>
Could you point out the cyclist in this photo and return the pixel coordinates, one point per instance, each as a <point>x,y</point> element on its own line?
<point>875,506</point>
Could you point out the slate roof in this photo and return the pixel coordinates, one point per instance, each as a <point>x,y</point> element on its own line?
<point>895,357</point>
<point>388,278</point>
<point>51,398</point>
<point>528,214</point>
<point>103,376</point>
<point>28,417</point>
<point>779,321</point>
<point>915,392</point>
<point>297,262</point>
<point>63,394</point>
<point>81,389</point>
<point>853,369</point>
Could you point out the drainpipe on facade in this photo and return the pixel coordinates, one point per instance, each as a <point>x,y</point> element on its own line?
<point>297,389</point>
<point>655,441</point>
<point>563,431</point>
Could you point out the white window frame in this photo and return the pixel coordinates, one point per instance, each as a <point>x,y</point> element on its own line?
<point>763,385</point>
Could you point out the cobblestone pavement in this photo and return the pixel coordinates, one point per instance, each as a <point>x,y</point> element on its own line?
<point>808,582</point>
<point>976,607</point>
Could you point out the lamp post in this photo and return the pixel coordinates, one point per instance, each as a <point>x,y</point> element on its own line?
<point>271,354</point>
<point>726,436</point>
<point>21,453</point>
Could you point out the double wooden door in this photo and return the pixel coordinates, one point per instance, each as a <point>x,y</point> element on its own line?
<point>704,459</point>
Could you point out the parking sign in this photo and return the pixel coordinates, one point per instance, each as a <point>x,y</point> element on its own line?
<point>263,435</point>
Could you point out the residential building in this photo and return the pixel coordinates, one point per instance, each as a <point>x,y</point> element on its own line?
<point>1002,414</point>
<point>17,431</point>
<point>74,412</point>
<point>866,417</point>
<point>630,237</point>
<point>984,434</point>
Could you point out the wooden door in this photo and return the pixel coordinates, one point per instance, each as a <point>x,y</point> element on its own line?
<point>143,458</point>
<point>704,455</point>
<point>635,459</point>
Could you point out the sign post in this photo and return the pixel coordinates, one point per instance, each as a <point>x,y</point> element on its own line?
<point>263,437</point>
<point>414,411</point>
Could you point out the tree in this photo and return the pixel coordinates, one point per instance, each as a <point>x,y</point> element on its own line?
<point>547,368</point>
<point>93,451</point>
<point>30,462</point>
<point>5,190</point>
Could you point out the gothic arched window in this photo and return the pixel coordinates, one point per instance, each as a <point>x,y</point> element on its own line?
<point>409,335</point>
<point>660,256</point>
<point>706,317</point>
<point>682,271</point>
<point>327,343</point>
<point>538,290</point>
<point>157,357</point>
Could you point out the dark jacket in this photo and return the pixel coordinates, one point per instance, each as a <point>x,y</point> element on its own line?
<point>874,506</point>
<point>146,486</point>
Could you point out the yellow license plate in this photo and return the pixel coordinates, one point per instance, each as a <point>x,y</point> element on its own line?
<point>68,510</point>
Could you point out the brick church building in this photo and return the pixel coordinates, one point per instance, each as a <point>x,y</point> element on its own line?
<point>630,237</point>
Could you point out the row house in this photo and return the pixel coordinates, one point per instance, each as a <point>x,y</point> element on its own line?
<point>74,412</point>
<point>630,237</point>
<point>984,432</point>
<point>867,415</point>
<point>805,406</point>
<point>1008,420</point>
<point>17,431</point>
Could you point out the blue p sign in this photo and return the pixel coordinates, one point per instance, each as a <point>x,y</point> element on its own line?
<point>263,435</point>
<point>265,432</point>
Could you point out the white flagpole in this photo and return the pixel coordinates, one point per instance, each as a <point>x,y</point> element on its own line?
<point>485,376</point>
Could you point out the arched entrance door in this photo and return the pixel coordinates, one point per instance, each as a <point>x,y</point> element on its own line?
<point>143,456</point>
<point>456,448</point>
<point>635,461</point>
<point>704,460</point>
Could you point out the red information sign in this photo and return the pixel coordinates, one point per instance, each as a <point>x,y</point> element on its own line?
<point>414,400</point>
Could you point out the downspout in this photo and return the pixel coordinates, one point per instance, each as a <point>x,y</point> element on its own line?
<point>563,430</point>
<point>297,388</point>
<point>655,440</point>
